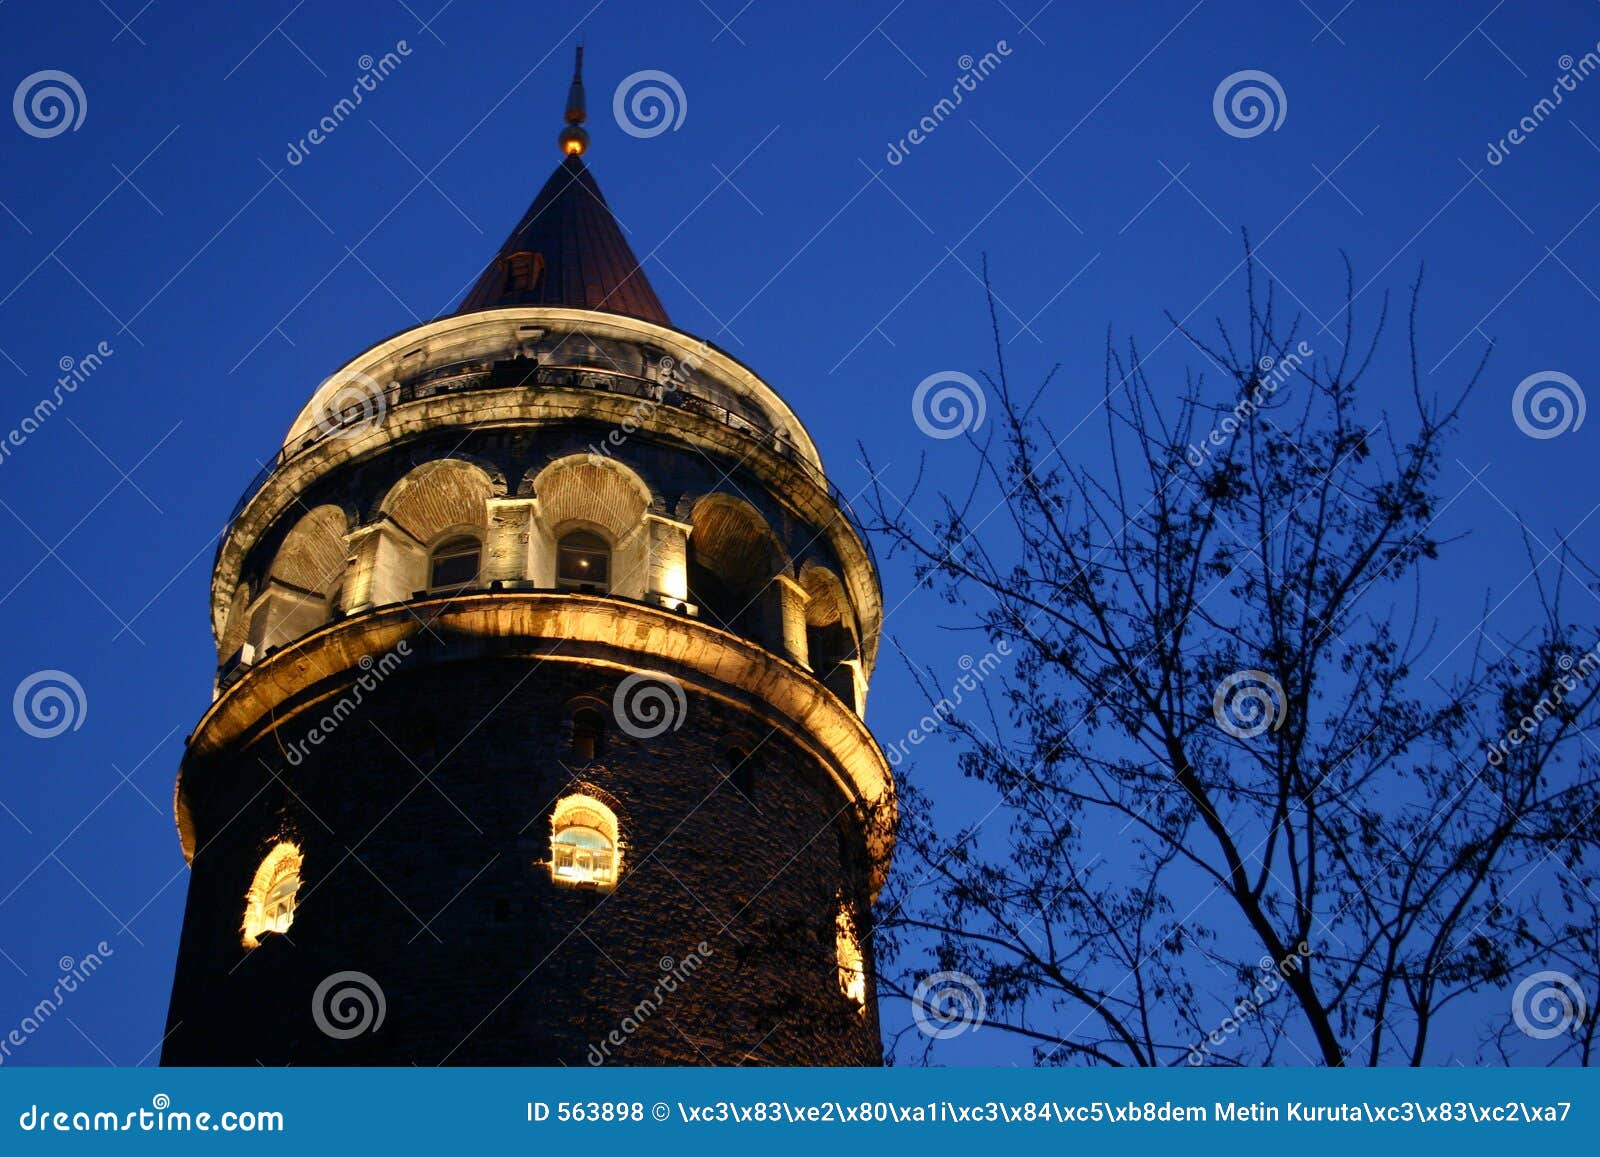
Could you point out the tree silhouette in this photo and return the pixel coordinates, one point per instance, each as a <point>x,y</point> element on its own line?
<point>1246,804</point>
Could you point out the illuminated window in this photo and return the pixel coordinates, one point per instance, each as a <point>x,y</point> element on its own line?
<point>852,964</point>
<point>583,561</point>
<point>269,905</point>
<point>584,849</point>
<point>454,562</point>
<point>587,725</point>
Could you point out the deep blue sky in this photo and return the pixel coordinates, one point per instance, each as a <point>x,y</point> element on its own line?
<point>229,283</point>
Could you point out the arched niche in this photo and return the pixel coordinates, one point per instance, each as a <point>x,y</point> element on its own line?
<point>832,644</point>
<point>304,583</point>
<point>734,564</point>
<point>591,508</point>
<point>435,509</point>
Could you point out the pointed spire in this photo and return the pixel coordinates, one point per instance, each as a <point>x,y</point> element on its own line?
<point>574,140</point>
<point>568,249</point>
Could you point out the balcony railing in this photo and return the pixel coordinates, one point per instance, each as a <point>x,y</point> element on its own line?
<point>468,377</point>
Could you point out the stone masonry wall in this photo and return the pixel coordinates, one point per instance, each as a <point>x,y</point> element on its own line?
<point>424,820</point>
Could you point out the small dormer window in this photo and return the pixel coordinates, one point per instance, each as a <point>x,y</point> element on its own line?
<point>523,272</point>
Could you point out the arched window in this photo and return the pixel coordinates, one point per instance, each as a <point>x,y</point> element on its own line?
<point>454,562</point>
<point>831,644</point>
<point>587,727</point>
<point>585,851</point>
<point>852,963</point>
<point>734,561</point>
<point>583,562</point>
<point>269,905</point>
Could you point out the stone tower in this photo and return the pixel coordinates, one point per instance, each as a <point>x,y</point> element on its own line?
<point>537,735</point>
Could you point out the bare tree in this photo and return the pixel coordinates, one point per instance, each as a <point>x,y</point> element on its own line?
<point>1245,806</point>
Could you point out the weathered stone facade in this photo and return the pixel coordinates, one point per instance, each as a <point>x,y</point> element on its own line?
<point>409,815</point>
<point>417,682</point>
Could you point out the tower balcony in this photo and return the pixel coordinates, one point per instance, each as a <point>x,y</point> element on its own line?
<point>530,374</point>
<point>526,445</point>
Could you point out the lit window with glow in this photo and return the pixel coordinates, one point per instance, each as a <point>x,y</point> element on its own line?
<point>583,562</point>
<point>584,847</point>
<point>269,905</point>
<point>852,964</point>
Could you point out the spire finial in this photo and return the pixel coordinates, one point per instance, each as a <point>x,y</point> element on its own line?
<point>574,140</point>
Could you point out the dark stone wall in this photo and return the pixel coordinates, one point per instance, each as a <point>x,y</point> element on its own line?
<point>424,819</point>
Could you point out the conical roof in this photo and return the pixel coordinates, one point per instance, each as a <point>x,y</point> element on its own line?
<point>568,249</point>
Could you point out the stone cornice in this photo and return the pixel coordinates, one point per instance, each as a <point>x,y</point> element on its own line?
<point>563,628</point>
<point>514,408</point>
